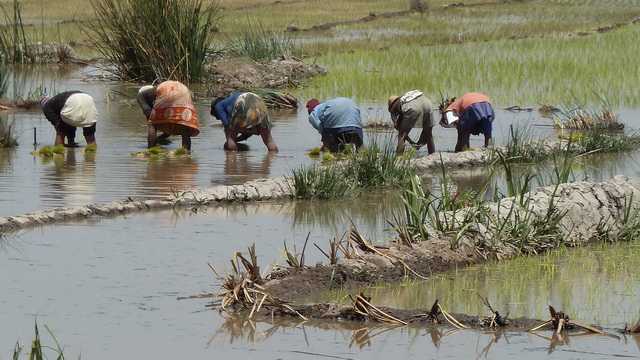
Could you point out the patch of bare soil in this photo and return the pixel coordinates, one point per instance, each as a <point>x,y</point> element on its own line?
<point>232,74</point>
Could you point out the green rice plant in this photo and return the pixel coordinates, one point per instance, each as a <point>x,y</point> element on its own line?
<point>522,147</point>
<point>151,39</point>
<point>378,166</point>
<point>602,141</point>
<point>375,166</point>
<point>320,182</point>
<point>629,221</point>
<point>517,185</point>
<point>260,44</point>
<point>8,138</point>
<point>411,226</point>
<point>38,349</point>
<point>522,229</point>
<point>91,148</point>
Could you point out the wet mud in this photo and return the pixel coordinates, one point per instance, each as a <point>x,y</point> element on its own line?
<point>589,208</point>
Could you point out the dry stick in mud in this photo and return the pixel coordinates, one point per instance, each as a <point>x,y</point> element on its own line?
<point>495,320</point>
<point>364,245</point>
<point>561,321</point>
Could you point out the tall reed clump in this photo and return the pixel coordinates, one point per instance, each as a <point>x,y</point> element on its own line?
<point>258,43</point>
<point>151,39</point>
<point>14,43</point>
<point>8,138</point>
<point>376,166</point>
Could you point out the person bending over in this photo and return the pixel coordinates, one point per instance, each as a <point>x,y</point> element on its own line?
<point>243,114</point>
<point>169,109</point>
<point>406,111</point>
<point>338,122</point>
<point>471,114</point>
<point>70,110</point>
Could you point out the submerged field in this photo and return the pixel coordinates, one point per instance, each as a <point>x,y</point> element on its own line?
<point>108,287</point>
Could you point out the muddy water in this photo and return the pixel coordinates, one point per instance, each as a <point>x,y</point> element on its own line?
<point>28,183</point>
<point>108,290</point>
<point>108,287</point>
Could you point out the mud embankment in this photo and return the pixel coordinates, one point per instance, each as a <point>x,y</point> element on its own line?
<point>257,190</point>
<point>588,208</point>
<point>279,188</point>
<point>231,74</point>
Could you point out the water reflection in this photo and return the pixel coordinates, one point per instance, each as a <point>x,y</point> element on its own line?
<point>525,286</point>
<point>241,166</point>
<point>68,181</point>
<point>165,176</point>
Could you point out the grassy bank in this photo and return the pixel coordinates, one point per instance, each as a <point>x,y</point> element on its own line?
<point>530,71</point>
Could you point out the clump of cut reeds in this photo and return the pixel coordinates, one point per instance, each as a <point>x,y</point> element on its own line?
<point>259,44</point>
<point>276,99</point>
<point>8,138</point>
<point>602,141</point>
<point>580,117</point>
<point>151,39</point>
<point>242,288</point>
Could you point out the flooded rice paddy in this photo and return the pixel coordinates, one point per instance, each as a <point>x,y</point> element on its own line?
<point>108,287</point>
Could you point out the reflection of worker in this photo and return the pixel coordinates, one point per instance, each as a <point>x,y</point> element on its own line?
<point>470,114</point>
<point>338,122</point>
<point>243,115</point>
<point>237,166</point>
<point>68,111</point>
<point>169,108</point>
<point>406,111</point>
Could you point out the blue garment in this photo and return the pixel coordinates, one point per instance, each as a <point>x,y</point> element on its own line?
<point>478,118</point>
<point>223,109</point>
<point>335,113</point>
<point>343,130</point>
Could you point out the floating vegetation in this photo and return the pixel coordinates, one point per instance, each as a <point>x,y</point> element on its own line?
<point>49,151</point>
<point>158,152</point>
<point>151,39</point>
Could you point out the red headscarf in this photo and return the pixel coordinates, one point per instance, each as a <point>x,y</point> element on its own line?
<point>311,104</point>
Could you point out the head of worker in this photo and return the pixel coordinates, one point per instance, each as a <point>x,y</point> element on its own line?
<point>448,118</point>
<point>395,109</point>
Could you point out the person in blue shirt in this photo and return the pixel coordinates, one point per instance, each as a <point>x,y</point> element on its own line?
<point>338,122</point>
<point>243,115</point>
